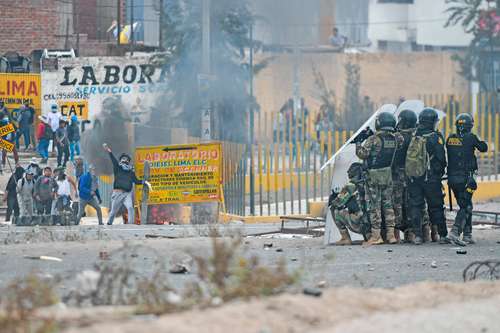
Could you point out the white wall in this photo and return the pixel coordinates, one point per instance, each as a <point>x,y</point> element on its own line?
<point>433,32</point>
<point>388,22</point>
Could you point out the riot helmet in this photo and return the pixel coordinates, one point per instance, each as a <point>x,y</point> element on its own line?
<point>428,118</point>
<point>407,119</point>
<point>385,121</point>
<point>464,123</point>
<point>355,171</point>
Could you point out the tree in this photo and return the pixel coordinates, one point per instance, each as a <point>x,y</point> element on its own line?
<point>230,24</point>
<point>479,18</point>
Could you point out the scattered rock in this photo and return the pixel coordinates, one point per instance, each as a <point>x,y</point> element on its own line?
<point>322,284</point>
<point>446,264</point>
<point>294,259</point>
<point>279,250</point>
<point>179,269</point>
<point>461,251</point>
<point>48,258</point>
<point>434,264</point>
<point>134,255</point>
<point>371,269</point>
<point>389,250</point>
<point>268,245</point>
<point>312,292</point>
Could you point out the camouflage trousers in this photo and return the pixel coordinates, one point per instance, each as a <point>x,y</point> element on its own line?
<point>379,199</point>
<point>356,223</point>
<point>401,204</point>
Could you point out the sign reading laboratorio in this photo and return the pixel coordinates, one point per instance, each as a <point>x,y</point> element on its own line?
<point>88,85</point>
<point>182,173</point>
<point>18,89</point>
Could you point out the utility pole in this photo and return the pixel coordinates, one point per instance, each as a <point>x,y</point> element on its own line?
<point>204,80</point>
<point>76,10</point>
<point>160,23</point>
<point>132,26</point>
<point>251,129</point>
<point>118,20</point>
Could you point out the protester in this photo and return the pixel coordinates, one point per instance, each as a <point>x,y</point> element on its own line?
<point>31,124</point>
<point>24,120</point>
<point>63,194</point>
<point>43,135</point>
<point>10,195</point>
<point>37,171</point>
<point>53,120</point>
<point>74,137</point>
<point>88,189</point>
<point>124,181</point>
<point>45,192</point>
<point>337,39</point>
<point>9,137</point>
<point>3,109</point>
<point>79,167</point>
<point>25,188</point>
<point>62,143</point>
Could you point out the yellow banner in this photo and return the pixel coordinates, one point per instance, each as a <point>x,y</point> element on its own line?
<point>78,108</point>
<point>4,130</point>
<point>182,173</point>
<point>17,89</point>
<point>6,145</point>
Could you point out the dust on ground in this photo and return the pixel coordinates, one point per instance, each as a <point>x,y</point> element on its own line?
<point>423,307</point>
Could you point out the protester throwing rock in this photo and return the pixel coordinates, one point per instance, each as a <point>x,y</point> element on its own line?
<point>125,179</point>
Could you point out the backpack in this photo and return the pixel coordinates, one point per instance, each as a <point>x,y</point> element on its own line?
<point>417,158</point>
<point>47,132</point>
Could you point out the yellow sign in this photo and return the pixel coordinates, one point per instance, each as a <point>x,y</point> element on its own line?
<point>6,145</point>
<point>17,89</point>
<point>78,108</point>
<point>182,173</point>
<point>7,129</point>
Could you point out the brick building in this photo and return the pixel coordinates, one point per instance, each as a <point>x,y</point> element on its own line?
<point>27,25</point>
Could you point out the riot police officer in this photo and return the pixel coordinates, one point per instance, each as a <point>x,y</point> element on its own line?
<point>407,123</point>
<point>378,153</point>
<point>425,166</point>
<point>349,207</point>
<point>462,166</point>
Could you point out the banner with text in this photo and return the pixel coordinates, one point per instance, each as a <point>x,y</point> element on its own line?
<point>182,173</point>
<point>17,89</point>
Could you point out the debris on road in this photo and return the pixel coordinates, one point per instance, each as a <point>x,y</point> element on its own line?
<point>279,250</point>
<point>434,264</point>
<point>322,284</point>
<point>312,292</point>
<point>48,258</point>
<point>461,251</point>
<point>268,245</point>
<point>159,236</point>
<point>179,269</point>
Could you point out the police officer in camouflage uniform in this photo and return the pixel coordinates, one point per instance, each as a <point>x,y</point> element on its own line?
<point>462,166</point>
<point>378,152</point>
<point>349,207</point>
<point>407,123</point>
<point>428,188</point>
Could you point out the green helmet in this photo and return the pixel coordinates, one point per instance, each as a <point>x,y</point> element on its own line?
<point>385,121</point>
<point>428,118</point>
<point>464,122</point>
<point>355,171</point>
<point>407,119</point>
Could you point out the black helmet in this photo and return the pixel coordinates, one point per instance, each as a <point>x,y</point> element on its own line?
<point>464,122</point>
<point>407,119</point>
<point>385,121</point>
<point>428,118</point>
<point>355,171</point>
<point>126,156</point>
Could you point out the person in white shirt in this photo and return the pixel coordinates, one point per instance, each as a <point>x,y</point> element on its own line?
<point>53,118</point>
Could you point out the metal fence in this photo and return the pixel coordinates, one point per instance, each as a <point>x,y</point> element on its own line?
<point>288,154</point>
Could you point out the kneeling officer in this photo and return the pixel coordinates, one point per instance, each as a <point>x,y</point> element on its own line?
<point>349,207</point>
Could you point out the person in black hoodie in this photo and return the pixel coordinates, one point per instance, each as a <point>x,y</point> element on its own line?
<point>11,193</point>
<point>123,184</point>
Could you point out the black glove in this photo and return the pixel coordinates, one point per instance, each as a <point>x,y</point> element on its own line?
<point>332,197</point>
<point>363,135</point>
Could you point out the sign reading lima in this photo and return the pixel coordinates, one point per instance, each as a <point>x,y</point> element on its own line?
<point>139,74</point>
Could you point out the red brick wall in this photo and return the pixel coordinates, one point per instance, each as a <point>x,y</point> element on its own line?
<point>26,25</point>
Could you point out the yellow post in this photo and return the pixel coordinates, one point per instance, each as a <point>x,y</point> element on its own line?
<point>330,143</point>
<point>337,140</point>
